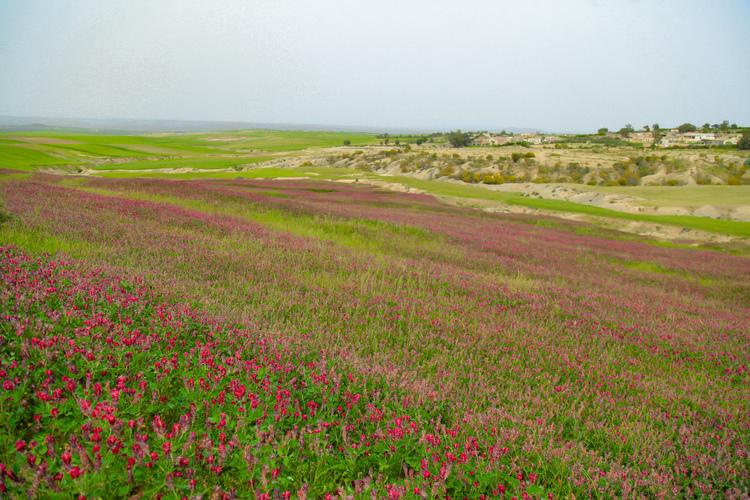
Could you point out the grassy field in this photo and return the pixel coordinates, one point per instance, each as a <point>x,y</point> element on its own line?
<point>232,154</point>
<point>200,163</point>
<point>296,337</point>
<point>33,150</point>
<point>471,192</point>
<point>327,173</point>
<point>281,140</point>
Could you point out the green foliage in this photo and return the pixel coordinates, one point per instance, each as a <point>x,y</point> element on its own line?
<point>459,139</point>
<point>593,139</point>
<point>687,127</point>
<point>516,157</point>
<point>446,171</point>
<point>496,178</point>
<point>744,142</point>
<point>626,130</point>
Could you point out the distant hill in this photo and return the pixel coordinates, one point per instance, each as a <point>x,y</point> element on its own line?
<point>132,126</point>
<point>126,125</point>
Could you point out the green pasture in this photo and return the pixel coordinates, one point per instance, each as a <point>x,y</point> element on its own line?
<point>46,149</point>
<point>210,162</point>
<point>285,140</point>
<point>327,173</point>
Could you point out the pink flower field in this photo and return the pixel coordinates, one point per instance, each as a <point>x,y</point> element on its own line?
<point>310,339</point>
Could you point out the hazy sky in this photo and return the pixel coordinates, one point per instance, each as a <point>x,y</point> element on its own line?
<point>554,65</point>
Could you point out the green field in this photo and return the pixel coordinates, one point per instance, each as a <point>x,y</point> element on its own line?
<point>200,163</point>
<point>54,149</point>
<point>284,140</point>
<point>470,192</point>
<point>241,154</point>
<point>260,172</point>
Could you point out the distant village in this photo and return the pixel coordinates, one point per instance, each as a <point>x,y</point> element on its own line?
<point>662,138</point>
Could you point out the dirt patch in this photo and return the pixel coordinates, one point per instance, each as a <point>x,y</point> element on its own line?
<point>620,202</point>
<point>648,229</point>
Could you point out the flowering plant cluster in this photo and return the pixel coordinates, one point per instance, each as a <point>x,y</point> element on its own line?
<point>107,391</point>
<point>566,359</point>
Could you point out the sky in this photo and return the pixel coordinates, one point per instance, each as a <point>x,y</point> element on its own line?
<point>563,65</point>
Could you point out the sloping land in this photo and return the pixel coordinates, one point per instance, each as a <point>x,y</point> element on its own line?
<point>348,339</point>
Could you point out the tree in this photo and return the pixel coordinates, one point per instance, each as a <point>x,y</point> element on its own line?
<point>656,132</point>
<point>724,126</point>
<point>687,127</point>
<point>347,142</point>
<point>706,127</point>
<point>602,131</point>
<point>646,128</point>
<point>421,140</point>
<point>626,130</point>
<point>744,142</point>
<point>459,139</point>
